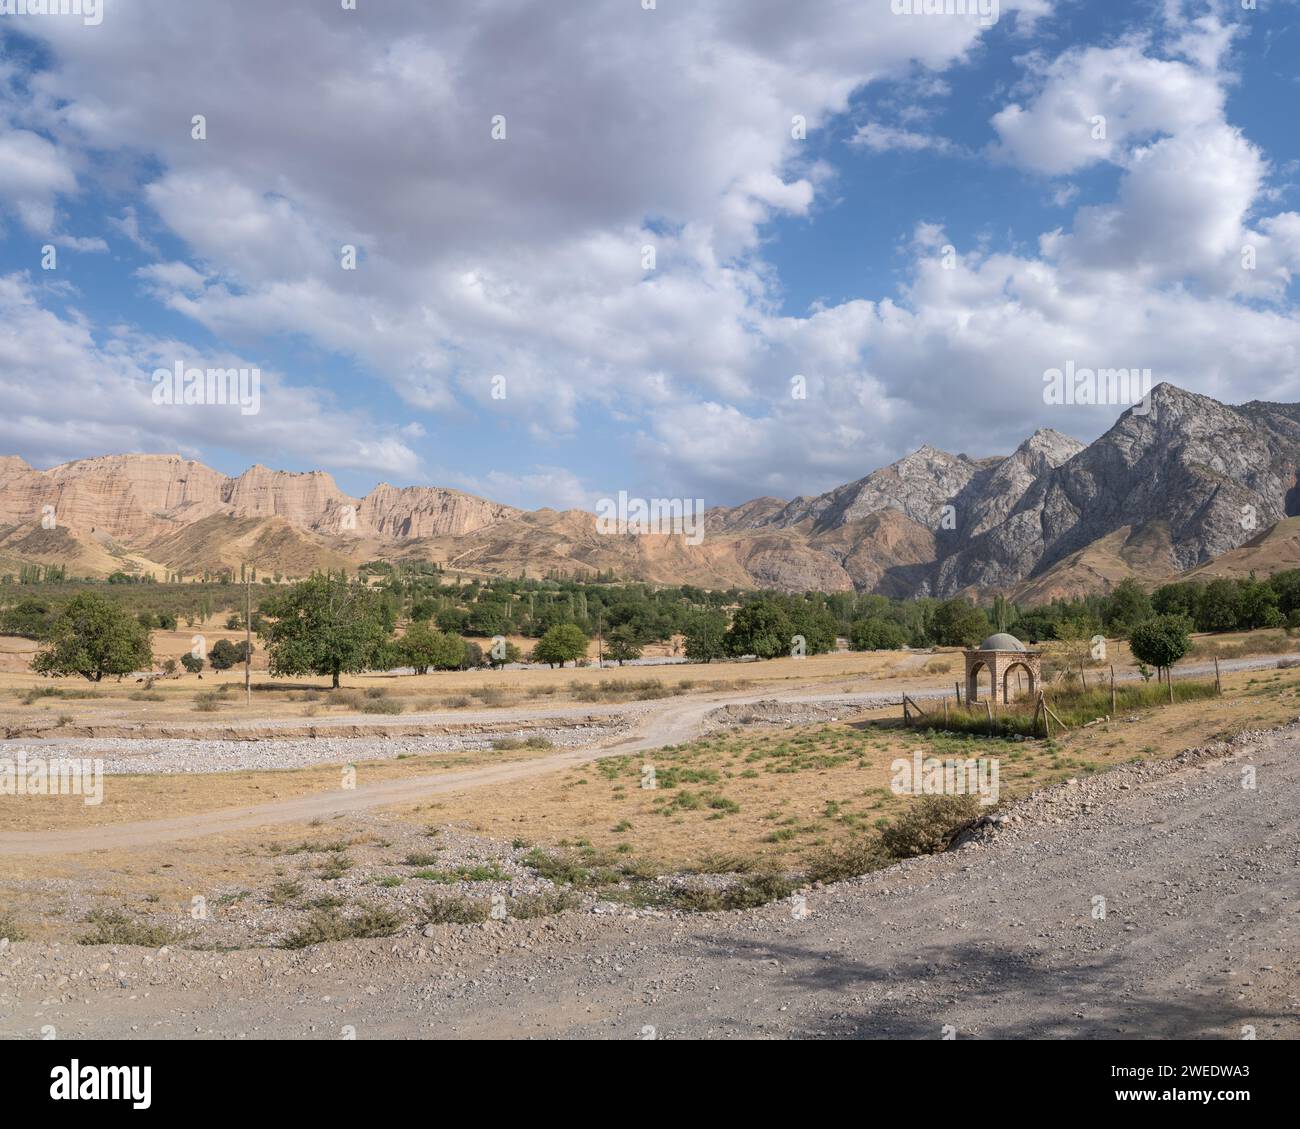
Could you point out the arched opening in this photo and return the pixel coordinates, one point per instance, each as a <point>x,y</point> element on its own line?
<point>979,682</point>
<point>1022,682</point>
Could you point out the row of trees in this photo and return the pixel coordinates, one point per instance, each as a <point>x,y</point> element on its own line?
<point>324,626</point>
<point>330,625</point>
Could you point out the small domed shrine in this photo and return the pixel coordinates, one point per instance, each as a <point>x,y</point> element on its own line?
<point>1000,654</point>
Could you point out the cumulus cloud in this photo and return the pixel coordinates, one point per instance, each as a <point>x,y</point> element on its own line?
<point>606,256</point>
<point>69,392</point>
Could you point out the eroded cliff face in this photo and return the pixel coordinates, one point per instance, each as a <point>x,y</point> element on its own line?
<point>138,498</point>
<point>427,511</point>
<point>1162,491</point>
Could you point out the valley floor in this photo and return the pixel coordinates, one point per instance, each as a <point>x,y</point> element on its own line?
<point>1200,939</point>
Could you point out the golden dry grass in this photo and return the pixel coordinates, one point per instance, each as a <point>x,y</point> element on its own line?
<point>779,795</point>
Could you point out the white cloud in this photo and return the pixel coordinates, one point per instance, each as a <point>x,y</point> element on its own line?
<point>68,395</point>
<point>626,128</point>
<point>883,138</point>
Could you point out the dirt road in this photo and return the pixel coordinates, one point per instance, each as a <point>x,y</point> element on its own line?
<point>653,725</point>
<point>1199,938</point>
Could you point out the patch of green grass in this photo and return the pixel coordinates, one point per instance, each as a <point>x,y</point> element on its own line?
<point>1073,705</point>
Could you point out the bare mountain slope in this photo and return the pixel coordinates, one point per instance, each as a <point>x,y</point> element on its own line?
<point>1164,490</point>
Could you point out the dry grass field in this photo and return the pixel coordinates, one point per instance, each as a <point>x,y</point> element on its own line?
<point>744,800</point>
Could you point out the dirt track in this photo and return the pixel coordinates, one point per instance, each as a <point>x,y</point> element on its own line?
<point>668,721</point>
<point>1200,939</point>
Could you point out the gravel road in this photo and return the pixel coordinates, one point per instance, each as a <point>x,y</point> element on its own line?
<point>1001,938</point>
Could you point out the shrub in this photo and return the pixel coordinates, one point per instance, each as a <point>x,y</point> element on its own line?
<point>749,893</point>
<point>456,911</point>
<point>542,905</point>
<point>284,893</point>
<point>112,927</point>
<point>858,856</point>
<point>330,925</point>
<point>929,825</point>
<point>10,930</point>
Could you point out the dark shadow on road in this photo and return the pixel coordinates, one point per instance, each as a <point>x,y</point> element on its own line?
<point>985,991</point>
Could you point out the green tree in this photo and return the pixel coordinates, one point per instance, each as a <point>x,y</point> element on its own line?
<point>1219,606</point>
<point>1257,605</point>
<point>818,627</point>
<point>1181,598</point>
<point>1161,641</point>
<point>452,620</point>
<point>424,648</point>
<point>501,654</point>
<point>1287,586</point>
<point>192,663</point>
<point>93,637</point>
<point>958,623</point>
<point>876,635</point>
<point>324,626</point>
<point>225,654</point>
<point>760,628</point>
<point>706,637</point>
<point>622,644</point>
<point>489,618</point>
<point>1126,607</point>
<point>562,643</point>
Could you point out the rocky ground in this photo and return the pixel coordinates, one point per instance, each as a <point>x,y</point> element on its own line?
<point>1158,900</point>
<point>168,755</point>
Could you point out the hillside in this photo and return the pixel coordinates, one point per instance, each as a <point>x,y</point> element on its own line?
<point>1190,484</point>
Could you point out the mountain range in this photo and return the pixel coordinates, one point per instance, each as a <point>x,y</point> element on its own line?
<point>1187,484</point>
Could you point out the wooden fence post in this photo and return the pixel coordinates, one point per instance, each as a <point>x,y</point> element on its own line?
<point>1218,686</point>
<point>1113,708</point>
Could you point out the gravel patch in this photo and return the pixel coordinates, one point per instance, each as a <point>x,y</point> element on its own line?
<point>142,757</point>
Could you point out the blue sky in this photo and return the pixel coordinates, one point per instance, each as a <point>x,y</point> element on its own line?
<point>520,256</point>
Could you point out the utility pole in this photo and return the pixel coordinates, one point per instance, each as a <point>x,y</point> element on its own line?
<point>600,642</point>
